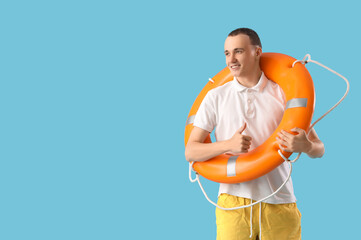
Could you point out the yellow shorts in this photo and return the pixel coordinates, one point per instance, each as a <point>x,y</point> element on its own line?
<point>278,221</point>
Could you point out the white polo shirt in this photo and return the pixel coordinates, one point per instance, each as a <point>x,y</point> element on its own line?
<point>226,109</point>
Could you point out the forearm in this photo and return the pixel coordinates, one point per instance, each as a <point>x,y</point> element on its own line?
<point>200,152</point>
<point>316,149</point>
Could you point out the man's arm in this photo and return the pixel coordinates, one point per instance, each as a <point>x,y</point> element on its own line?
<point>309,144</point>
<point>198,151</point>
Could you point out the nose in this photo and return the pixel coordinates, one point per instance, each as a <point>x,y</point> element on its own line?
<point>232,58</point>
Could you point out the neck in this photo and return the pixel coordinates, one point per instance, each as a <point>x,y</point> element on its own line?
<point>250,80</point>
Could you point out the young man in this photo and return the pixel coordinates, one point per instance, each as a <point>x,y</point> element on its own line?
<point>244,113</point>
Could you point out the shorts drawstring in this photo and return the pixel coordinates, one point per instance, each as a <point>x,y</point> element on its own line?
<point>260,214</point>
<point>251,219</point>
<point>260,222</point>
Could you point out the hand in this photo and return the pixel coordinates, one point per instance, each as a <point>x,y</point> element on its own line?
<point>239,143</point>
<point>294,143</point>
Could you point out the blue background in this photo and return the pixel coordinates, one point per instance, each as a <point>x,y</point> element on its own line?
<point>93,101</point>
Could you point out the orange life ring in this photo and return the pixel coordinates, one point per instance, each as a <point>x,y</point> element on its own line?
<point>297,84</point>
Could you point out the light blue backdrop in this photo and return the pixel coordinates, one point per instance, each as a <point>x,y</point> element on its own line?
<point>93,101</point>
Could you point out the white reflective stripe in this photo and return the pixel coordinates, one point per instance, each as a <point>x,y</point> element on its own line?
<point>231,166</point>
<point>296,102</point>
<point>190,119</point>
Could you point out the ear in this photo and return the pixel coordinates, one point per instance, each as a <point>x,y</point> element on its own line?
<point>258,51</point>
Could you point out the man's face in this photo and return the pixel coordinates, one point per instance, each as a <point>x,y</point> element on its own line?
<point>242,57</point>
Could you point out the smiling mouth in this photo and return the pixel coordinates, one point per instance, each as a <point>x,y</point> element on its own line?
<point>234,66</point>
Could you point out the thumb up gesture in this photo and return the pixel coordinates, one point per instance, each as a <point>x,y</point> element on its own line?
<point>239,143</point>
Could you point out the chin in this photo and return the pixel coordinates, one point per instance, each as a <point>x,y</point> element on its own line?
<point>237,74</point>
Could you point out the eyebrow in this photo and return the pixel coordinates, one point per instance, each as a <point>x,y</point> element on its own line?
<point>235,49</point>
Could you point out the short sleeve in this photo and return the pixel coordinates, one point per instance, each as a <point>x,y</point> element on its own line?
<point>206,115</point>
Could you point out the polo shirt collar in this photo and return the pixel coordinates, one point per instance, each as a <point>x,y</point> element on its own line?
<point>258,87</point>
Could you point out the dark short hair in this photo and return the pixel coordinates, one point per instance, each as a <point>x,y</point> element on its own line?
<point>253,36</point>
